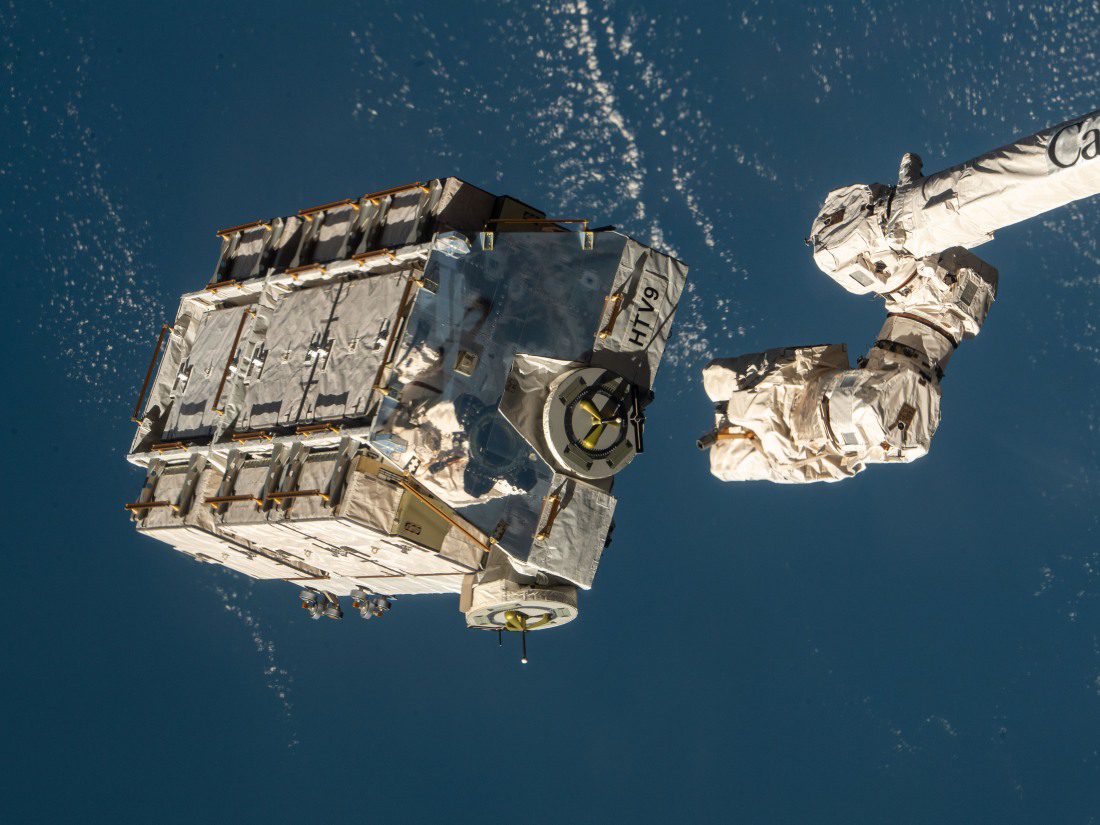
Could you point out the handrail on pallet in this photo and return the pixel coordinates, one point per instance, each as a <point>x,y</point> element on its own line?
<point>616,303</point>
<point>149,374</point>
<point>582,221</point>
<point>393,190</point>
<point>325,207</point>
<point>244,227</point>
<point>251,435</point>
<point>229,361</point>
<point>408,486</point>
<point>217,501</point>
<point>307,429</point>
<point>165,446</point>
<point>277,495</point>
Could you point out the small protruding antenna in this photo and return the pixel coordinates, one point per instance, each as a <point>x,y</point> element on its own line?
<point>523,637</point>
<point>500,638</point>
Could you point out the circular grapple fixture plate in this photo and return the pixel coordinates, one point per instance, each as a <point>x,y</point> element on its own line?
<point>589,422</point>
<point>518,607</point>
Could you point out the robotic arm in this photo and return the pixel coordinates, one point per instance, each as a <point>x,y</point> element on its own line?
<point>802,414</point>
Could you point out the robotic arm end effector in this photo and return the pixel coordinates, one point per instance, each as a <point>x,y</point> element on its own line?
<point>816,419</point>
<point>799,415</point>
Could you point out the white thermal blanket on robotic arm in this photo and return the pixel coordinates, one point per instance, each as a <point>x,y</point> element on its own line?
<point>868,237</point>
<point>798,415</point>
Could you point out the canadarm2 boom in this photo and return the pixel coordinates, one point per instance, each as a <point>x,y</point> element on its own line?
<point>868,238</point>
